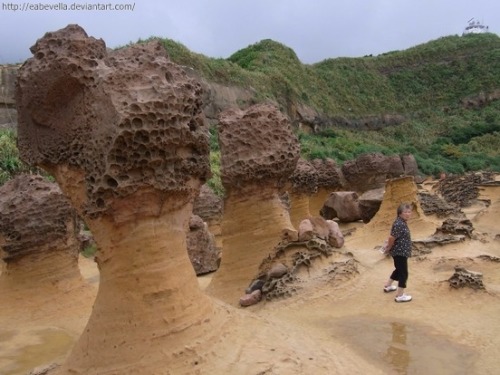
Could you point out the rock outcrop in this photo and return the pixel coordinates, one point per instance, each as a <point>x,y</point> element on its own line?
<point>39,245</point>
<point>203,252</point>
<point>303,183</point>
<point>8,113</point>
<point>259,152</point>
<point>330,179</point>
<point>123,133</point>
<point>342,205</point>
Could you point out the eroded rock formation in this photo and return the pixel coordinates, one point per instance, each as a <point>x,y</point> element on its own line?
<point>39,245</point>
<point>302,185</point>
<point>259,152</point>
<point>203,253</point>
<point>397,191</point>
<point>122,133</point>
<point>369,171</point>
<point>330,179</point>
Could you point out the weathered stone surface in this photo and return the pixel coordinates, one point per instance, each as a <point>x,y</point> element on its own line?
<point>369,203</point>
<point>317,226</point>
<point>127,119</point>
<point>369,171</point>
<point>463,189</point>
<point>335,236</point>
<point>39,250</point>
<point>410,165</point>
<point>257,146</point>
<point>259,152</point>
<point>464,278</point>
<point>251,299</point>
<point>432,204</point>
<point>208,205</point>
<point>35,219</point>
<point>304,179</point>
<point>343,205</point>
<point>277,270</point>
<point>203,253</point>
<point>329,174</point>
<point>8,113</point>
<point>456,226</point>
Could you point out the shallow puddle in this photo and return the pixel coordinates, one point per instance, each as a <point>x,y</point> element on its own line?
<point>22,351</point>
<point>406,348</point>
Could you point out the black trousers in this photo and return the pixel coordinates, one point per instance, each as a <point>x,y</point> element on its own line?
<point>400,274</point>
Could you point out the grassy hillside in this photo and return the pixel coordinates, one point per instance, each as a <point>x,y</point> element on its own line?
<point>425,84</point>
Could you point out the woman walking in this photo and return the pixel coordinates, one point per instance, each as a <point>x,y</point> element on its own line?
<point>399,246</point>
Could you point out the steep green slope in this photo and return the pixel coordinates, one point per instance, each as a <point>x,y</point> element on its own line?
<point>426,84</point>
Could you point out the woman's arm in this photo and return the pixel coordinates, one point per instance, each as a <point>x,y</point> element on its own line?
<point>390,243</point>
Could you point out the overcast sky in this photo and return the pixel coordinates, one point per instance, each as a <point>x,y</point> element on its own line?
<point>314,29</point>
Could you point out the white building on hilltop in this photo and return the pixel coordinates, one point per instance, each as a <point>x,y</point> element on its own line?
<point>475,27</point>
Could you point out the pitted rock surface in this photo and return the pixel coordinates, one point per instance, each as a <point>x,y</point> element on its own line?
<point>463,189</point>
<point>433,204</point>
<point>35,214</point>
<point>283,271</point>
<point>208,205</point>
<point>304,178</point>
<point>257,144</point>
<point>369,171</point>
<point>128,118</point>
<point>329,174</point>
<point>464,278</point>
<point>204,255</point>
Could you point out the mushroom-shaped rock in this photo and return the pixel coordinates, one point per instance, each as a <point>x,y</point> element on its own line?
<point>397,191</point>
<point>369,171</point>
<point>330,179</point>
<point>303,183</point>
<point>259,152</point>
<point>123,133</point>
<point>39,245</point>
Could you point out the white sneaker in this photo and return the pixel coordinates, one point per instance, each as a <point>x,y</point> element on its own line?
<point>403,298</point>
<point>390,288</point>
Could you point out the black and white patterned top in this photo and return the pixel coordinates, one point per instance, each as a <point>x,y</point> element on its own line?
<point>402,243</point>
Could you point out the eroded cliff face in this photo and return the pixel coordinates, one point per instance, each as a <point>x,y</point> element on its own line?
<point>258,154</point>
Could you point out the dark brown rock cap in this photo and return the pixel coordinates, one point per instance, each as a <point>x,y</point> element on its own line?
<point>34,215</point>
<point>257,144</point>
<point>127,119</point>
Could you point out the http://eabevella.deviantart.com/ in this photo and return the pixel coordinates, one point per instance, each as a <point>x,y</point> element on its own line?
<point>60,6</point>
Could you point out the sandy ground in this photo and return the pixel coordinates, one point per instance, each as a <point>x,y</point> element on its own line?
<point>442,331</point>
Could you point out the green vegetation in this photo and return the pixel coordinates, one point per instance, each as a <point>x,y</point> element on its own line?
<point>10,163</point>
<point>427,85</point>
<point>89,251</point>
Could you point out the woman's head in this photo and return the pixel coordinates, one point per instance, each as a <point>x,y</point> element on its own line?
<point>404,211</point>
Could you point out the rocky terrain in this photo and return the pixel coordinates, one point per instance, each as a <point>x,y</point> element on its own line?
<point>292,283</point>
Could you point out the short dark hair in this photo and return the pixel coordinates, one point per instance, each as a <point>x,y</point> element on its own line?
<point>402,207</point>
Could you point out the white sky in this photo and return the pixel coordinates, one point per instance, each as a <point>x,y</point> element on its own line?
<point>314,29</point>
